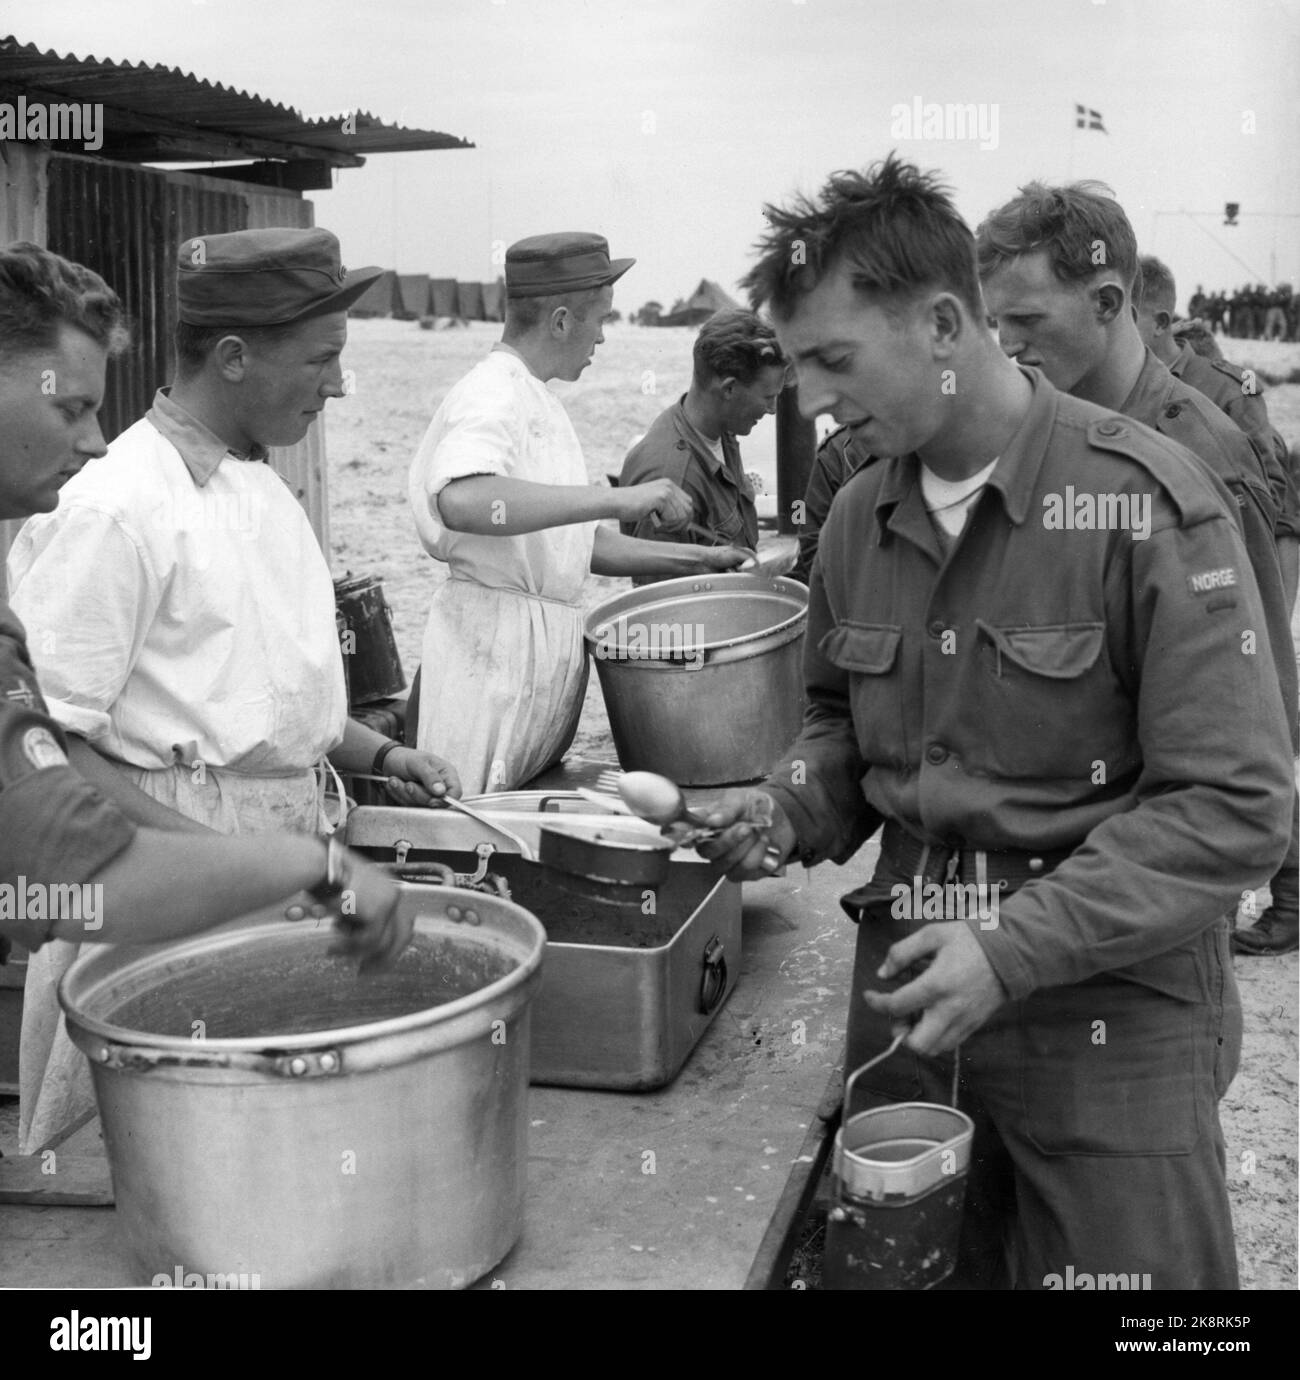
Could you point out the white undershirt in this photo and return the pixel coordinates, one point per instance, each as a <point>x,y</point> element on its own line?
<point>947,503</point>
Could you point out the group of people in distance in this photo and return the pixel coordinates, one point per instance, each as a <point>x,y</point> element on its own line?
<point>1093,724</point>
<point>1249,313</point>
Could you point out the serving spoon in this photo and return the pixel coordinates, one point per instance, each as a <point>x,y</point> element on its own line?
<point>661,801</point>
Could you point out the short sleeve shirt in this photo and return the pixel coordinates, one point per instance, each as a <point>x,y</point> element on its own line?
<point>501,420</point>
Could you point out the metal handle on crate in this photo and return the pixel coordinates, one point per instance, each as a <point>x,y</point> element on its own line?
<point>713,985</point>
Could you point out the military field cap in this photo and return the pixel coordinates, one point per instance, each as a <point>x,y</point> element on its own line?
<point>564,262</point>
<point>264,278</point>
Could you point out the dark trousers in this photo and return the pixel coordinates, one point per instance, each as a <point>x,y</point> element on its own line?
<point>1285,887</point>
<point>1097,1139</point>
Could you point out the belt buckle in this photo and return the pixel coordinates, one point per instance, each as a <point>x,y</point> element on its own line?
<point>981,857</point>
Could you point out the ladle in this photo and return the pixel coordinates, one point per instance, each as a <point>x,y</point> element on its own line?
<point>496,826</point>
<point>662,802</point>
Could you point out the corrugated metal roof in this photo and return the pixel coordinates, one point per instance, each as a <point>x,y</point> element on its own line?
<point>161,114</point>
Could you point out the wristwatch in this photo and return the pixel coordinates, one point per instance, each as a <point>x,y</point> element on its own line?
<point>377,766</point>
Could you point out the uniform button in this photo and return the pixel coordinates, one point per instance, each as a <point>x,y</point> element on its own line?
<point>938,628</point>
<point>1172,411</point>
<point>936,753</point>
<point>1110,428</point>
<point>1035,864</point>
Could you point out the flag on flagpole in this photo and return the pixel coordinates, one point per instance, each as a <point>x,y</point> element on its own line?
<point>1088,119</point>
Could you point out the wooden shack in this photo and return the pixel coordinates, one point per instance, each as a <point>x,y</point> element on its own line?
<point>110,210</point>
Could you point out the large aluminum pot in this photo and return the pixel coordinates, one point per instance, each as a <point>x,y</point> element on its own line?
<point>269,1113</point>
<point>703,676</point>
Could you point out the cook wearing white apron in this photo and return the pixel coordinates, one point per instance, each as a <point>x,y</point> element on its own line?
<point>504,667</point>
<point>180,616</point>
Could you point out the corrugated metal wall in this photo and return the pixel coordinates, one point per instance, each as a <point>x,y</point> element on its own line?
<point>125,222</point>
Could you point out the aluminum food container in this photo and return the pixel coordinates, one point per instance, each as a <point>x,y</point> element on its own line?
<point>628,994</point>
<point>271,1115</point>
<point>702,676</point>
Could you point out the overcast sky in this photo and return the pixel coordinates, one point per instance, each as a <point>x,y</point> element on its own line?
<point>665,124</point>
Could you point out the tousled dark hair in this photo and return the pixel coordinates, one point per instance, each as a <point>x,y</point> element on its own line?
<point>735,344</point>
<point>41,291</point>
<point>1082,227</point>
<point>894,226</point>
<point>1154,285</point>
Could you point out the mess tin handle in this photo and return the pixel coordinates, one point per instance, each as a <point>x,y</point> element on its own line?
<point>870,1064</point>
<point>714,983</point>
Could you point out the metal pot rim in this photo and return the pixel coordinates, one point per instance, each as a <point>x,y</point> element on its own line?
<point>589,832</point>
<point>681,590</point>
<point>255,929</point>
<point>864,1177</point>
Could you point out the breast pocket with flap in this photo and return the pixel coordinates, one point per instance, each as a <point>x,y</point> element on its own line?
<point>1049,702</point>
<point>871,654</point>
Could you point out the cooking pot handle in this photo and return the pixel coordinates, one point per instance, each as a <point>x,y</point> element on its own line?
<point>714,983</point>
<point>307,1063</point>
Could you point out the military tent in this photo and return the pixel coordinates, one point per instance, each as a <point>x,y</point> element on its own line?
<point>379,299</point>
<point>469,297</point>
<point>442,296</point>
<point>494,300</point>
<point>700,305</point>
<point>415,295</point>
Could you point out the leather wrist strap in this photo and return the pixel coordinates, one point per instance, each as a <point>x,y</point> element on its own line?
<point>377,766</point>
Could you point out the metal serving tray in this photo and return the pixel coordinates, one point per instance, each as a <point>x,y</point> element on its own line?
<point>626,994</point>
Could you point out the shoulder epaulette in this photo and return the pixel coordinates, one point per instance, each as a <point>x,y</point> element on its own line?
<point>1170,464</point>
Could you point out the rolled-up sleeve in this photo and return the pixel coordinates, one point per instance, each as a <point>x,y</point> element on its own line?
<point>84,588</point>
<point>477,437</point>
<point>56,830</point>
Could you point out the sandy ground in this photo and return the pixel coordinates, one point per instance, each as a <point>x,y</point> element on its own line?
<point>401,372</point>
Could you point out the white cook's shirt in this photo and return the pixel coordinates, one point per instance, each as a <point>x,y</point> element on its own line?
<point>500,419</point>
<point>179,608</point>
<point>504,668</point>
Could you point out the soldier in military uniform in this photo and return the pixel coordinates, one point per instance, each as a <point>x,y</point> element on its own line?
<point>1216,309</point>
<point>1275,323</point>
<point>59,837</point>
<point>840,456</point>
<point>1058,310</point>
<point>1233,390</point>
<point>1002,681</point>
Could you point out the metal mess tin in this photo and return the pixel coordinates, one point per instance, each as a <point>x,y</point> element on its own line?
<point>899,1175</point>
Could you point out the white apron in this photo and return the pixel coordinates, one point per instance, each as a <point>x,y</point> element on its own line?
<point>504,669</point>
<point>502,682</point>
